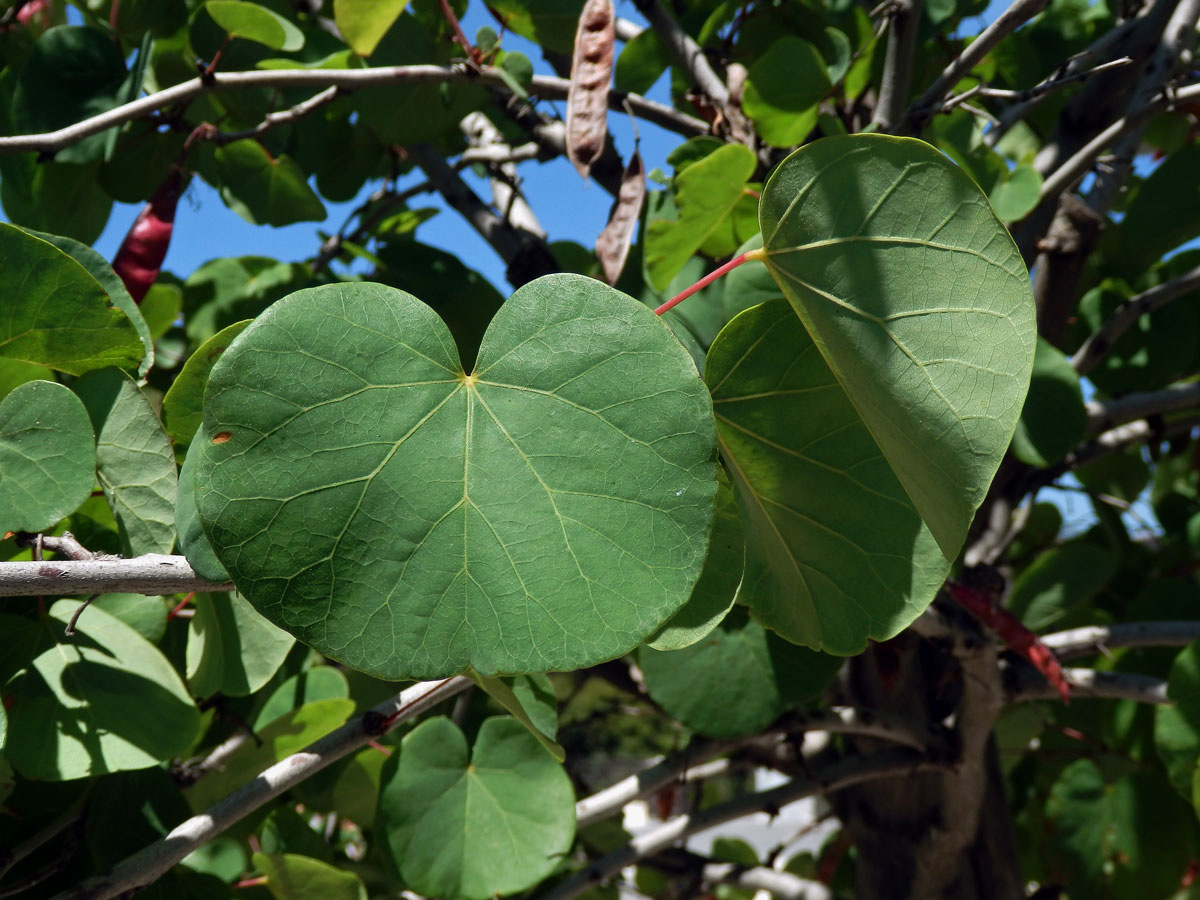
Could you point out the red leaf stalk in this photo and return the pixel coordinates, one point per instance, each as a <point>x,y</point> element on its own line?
<point>709,279</point>
<point>141,254</point>
<point>1013,633</point>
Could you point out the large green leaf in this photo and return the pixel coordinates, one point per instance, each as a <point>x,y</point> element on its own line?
<point>193,542</point>
<point>134,461</point>
<point>706,192</point>
<point>1060,581</point>
<point>231,648</point>
<point>72,73</point>
<point>917,298</point>
<point>105,700</point>
<point>58,315</point>
<point>550,23</point>
<point>1177,727</point>
<point>495,822</point>
<point>835,550</point>
<point>546,512</point>
<point>737,680</point>
<point>47,456</point>
<point>56,197</point>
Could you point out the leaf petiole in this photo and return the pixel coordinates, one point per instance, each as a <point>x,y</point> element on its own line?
<point>748,256</point>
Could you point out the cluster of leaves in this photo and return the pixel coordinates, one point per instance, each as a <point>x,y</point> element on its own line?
<point>408,477</point>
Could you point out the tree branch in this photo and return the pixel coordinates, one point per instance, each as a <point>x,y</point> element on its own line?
<point>484,137</point>
<point>782,885</point>
<point>544,86</point>
<point>1111,413</point>
<point>1100,342</point>
<point>1006,23</point>
<point>838,775</point>
<point>685,51</point>
<point>1093,639</point>
<point>154,574</point>
<point>897,65</point>
<point>1023,682</point>
<point>525,254</point>
<point>150,863</point>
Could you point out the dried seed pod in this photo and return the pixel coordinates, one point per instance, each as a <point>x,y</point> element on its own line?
<point>612,246</point>
<point>591,72</point>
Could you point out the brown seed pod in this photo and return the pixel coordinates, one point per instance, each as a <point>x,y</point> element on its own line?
<point>612,246</point>
<point>591,72</point>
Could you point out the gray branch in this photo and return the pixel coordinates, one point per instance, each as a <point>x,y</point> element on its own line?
<point>1092,639</point>
<point>548,87</point>
<point>151,862</point>
<point>1110,413</point>
<point>781,885</point>
<point>1006,23</point>
<point>840,774</point>
<point>1099,343</point>
<point>153,574</point>
<point>1023,682</point>
<point>897,64</point>
<point>685,51</point>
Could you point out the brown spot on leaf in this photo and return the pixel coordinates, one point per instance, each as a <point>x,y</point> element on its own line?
<point>221,437</point>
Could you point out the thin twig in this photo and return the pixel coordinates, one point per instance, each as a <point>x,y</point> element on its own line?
<point>1023,683</point>
<point>1110,413</point>
<point>836,776</point>
<point>1093,639</point>
<point>685,51</point>
<point>150,863</point>
<point>1005,24</point>
<point>547,87</point>
<point>1101,341</point>
<point>283,117</point>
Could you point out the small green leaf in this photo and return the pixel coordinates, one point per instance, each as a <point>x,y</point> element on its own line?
<point>72,716</point>
<point>134,461</point>
<point>1014,196</point>
<point>47,456</point>
<point>531,700</point>
<point>231,649</point>
<point>547,512</point>
<point>549,23</point>
<point>284,736</point>
<point>364,22</point>
<point>60,317</point>
<point>1060,581</point>
<point>835,550</point>
<point>183,404</point>
<point>1177,727</point>
<point>292,877</point>
<point>714,593</point>
<point>1054,419</point>
<point>262,189</point>
<point>317,683</point>
<point>736,681</point>
<point>497,822</point>
<point>641,62</point>
<point>255,22</point>
<point>916,296</point>
<point>783,88</point>
<point>706,192</point>
<point>145,615</point>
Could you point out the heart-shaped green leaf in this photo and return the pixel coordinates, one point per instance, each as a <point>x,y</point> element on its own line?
<point>835,551</point>
<point>47,456</point>
<point>495,822</point>
<point>917,298</point>
<point>547,512</point>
